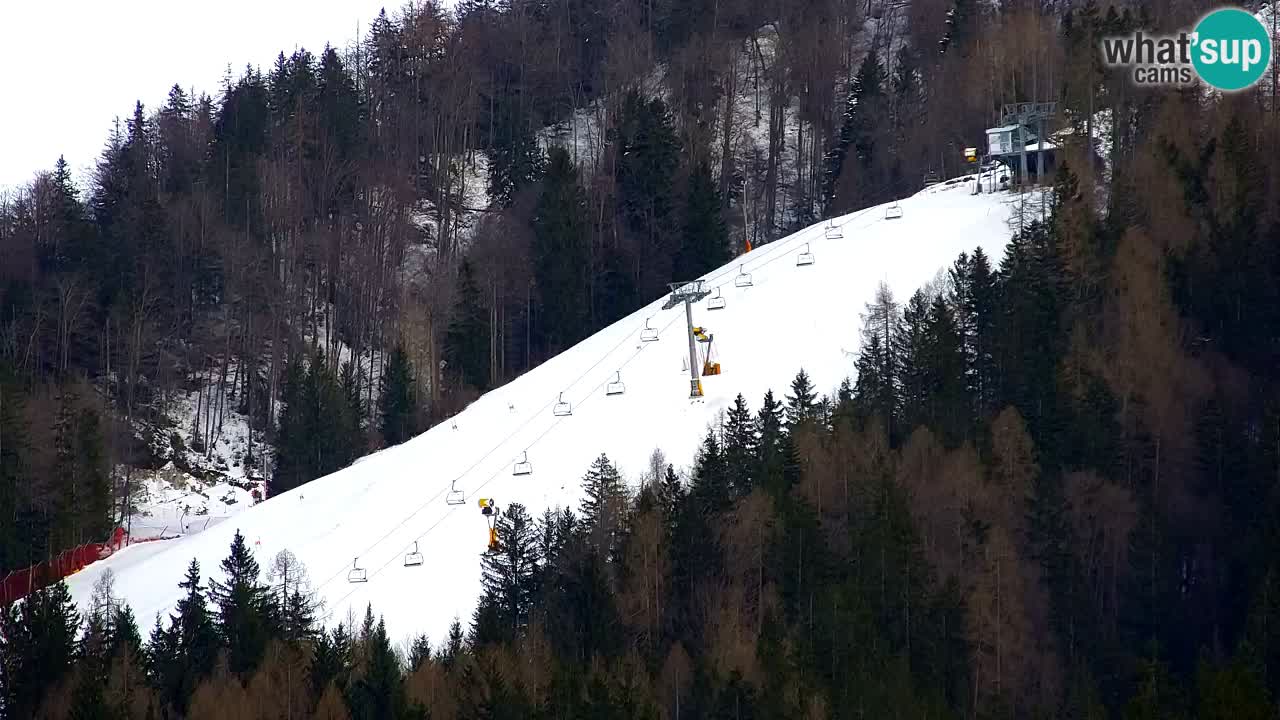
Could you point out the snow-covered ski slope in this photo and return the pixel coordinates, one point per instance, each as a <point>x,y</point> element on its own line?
<point>790,317</point>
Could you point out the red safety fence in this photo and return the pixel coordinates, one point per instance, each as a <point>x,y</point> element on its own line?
<point>20,583</point>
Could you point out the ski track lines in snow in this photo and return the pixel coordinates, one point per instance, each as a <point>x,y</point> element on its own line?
<point>791,317</point>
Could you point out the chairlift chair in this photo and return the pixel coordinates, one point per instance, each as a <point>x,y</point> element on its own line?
<point>832,231</point>
<point>616,387</point>
<point>893,212</point>
<point>455,496</point>
<point>413,559</point>
<point>562,408</point>
<point>717,302</point>
<point>357,574</point>
<point>805,257</point>
<point>648,334</point>
<point>743,279</point>
<point>523,467</point>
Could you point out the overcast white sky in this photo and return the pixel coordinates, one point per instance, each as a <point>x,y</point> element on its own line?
<point>69,67</point>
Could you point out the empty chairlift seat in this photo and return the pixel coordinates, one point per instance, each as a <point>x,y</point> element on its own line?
<point>743,279</point>
<point>717,302</point>
<point>893,212</point>
<point>648,334</point>
<point>832,231</point>
<point>522,466</point>
<point>562,408</point>
<point>805,257</point>
<point>616,387</point>
<point>413,558</point>
<point>455,496</point>
<point>357,574</point>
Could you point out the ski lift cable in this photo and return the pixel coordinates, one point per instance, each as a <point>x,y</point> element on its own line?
<point>784,246</point>
<point>496,447</point>
<point>478,488</point>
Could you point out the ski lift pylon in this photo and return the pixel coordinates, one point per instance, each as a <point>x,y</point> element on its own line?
<point>522,466</point>
<point>357,574</point>
<point>562,408</point>
<point>616,387</point>
<point>743,279</point>
<point>717,302</point>
<point>648,334</point>
<point>832,231</point>
<point>893,212</point>
<point>805,257</point>
<point>455,496</point>
<point>414,558</point>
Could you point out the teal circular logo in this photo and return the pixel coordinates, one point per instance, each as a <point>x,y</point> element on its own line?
<point>1232,49</point>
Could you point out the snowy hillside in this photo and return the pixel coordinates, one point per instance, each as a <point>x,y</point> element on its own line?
<point>790,317</point>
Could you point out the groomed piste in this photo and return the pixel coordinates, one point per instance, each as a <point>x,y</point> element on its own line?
<point>617,393</point>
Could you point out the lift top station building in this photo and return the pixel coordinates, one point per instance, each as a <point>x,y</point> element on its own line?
<point>1021,143</point>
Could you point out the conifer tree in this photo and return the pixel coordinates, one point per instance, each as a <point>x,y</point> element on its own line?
<point>704,244</point>
<point>291,436</point>
<point>561,252</point>
<point>454,645</point>
<point>740,447</point>
<point>603,504</point>
<point>350,379</point>
<point>377,692</point>
<point>949,398</point>
<point>802,403</point>
<point>515,160</point>
<point>331,662</point>
<point>466,342</point>
<point>246,616</point>
<point>855,152</point>
<point>184,655</point>
<point>396,406</point>
<point>769,449</point>
<point>509,575</point>
<point>419,652</point>
<point>37,647</point>
<point>647,155</point>
<point>910,344</point>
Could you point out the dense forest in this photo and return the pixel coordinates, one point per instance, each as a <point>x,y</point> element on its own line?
<point>1048,489</point>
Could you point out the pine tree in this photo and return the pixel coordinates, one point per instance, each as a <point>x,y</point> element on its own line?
<point>561,252</point>
<point>646,158</point>
<point>466,343</point>
<point>802,403</point>
<point>37,647</point>
<point>292,434</point>
<point>845,185</point>
<point>948,391</point>
<point>378,690</point>
<point>396,405</point>
<point>769,449</point>
<point>331,662</point>
<point>509,575</point>
<point>704,243</point>
<point>246,617</point>
<point>419,652</point>
<point>603,503</point>
<point>184,655</point>
<point>740,447</point>
<point>454,645</point>
<point>350,380</point>
<point>910,344</point>
<point>515,160</point>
